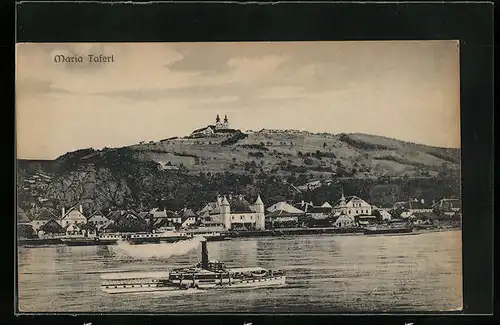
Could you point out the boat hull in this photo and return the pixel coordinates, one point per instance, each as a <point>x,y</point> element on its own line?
<point>394,231</point>
<point>90,242</point>
<point>156,240</point>
<point>153,286</point>
<point>39,242</point>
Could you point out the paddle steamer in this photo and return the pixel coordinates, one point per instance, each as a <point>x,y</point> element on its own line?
<point>204,275</point>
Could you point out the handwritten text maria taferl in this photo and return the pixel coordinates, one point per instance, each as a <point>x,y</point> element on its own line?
<point>90,58</point>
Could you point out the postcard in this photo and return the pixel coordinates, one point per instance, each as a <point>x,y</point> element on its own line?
<point>249,177</point>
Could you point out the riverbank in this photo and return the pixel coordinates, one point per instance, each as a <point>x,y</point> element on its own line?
<point>228,235</point>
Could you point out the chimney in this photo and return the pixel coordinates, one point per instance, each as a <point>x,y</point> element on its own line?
<point>81,209</point>
<point>63,212</point>
<point>204,255</point>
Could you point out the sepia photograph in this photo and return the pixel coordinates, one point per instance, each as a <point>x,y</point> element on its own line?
<point>238,177</point>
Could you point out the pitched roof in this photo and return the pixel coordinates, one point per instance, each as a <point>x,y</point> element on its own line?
<point>216,210</point>
<point>208,207</point>
<point>52,226</point>
<point>326,205</point>
<point>238,204</point>
<point>282,213</point>
<point>186,213</point>
<point>348,199</point>
<point>159,222</point>
<point>96,218</point>
<point>75,207</point>
<point>411,205</point>
<point>143,214</point>
<point>284,207</point>
<point>114,215</point>
<point>110,224</point>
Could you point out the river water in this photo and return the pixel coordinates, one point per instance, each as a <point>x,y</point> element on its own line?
<point>325,274</point>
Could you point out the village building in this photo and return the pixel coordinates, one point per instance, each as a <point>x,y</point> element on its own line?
<point>352,206</point>
<point>447,207</point>
<point>282,214</point>
<point>423,218</point>
<point>234,212</point>
<point>341,220</point>
<point>73,216</point>
<point>383,213</point>
<point>114,215</point>
<point>407,208</point>
<point>187,217</point>
<point>303,205</point>
<point>95,222</point>
<point>366,220</point>
<point>50,228</point>
<point>129,221</point>
<point>310,186</point>
<point>318,212</point>
<point>97,219</point>
<point>73,229</point>
<point>41,218</point>
<point>108,227</point>
<point>173,218</point>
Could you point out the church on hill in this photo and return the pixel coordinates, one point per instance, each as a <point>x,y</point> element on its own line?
<point>212,129</point>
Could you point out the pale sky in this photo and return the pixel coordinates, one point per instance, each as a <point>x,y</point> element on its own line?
<point>403,90</point>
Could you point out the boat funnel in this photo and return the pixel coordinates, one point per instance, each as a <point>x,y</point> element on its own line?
<point>204,254</point>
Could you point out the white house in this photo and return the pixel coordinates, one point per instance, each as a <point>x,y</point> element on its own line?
<point>352,206</point>
<point>73,216</point>
<point>344,221</point>
<point>235,212</point>
<point>283,213</point>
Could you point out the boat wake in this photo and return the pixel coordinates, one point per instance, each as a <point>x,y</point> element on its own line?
<point>155,251</point>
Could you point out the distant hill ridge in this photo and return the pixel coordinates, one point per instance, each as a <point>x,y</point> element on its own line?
<point>264,161</point>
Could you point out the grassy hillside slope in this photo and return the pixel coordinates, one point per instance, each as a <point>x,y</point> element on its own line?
<point>191,171</point>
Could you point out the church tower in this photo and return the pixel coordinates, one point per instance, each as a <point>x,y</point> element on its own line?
<point>260,222</point>
<point>225,211</point>
<point>218,124</point>
<point>225,125</point>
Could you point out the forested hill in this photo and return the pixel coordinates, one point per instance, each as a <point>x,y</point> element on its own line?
<point>191,171</point>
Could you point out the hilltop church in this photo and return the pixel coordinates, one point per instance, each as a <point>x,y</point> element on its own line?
<point>212,129</point>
